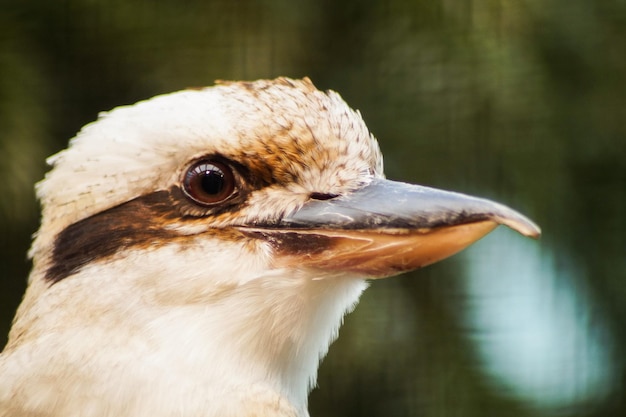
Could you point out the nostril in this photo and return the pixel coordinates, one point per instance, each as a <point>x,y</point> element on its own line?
<point>322,196</point>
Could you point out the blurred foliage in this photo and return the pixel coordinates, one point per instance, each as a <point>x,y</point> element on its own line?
<point>523,101</point>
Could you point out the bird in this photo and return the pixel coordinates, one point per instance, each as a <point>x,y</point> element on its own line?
<point>198,251</point>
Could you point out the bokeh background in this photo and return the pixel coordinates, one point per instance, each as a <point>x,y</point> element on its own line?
<point>520,101</point>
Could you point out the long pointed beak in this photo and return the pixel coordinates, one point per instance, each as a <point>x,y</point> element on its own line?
<point>386,227</point>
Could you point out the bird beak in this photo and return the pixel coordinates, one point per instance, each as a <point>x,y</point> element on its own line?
<point>386,227</point>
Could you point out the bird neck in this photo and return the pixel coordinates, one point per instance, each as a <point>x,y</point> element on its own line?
<point>229,346</point>
<point>266,335</point>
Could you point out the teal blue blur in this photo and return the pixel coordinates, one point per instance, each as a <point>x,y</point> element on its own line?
<point>520,101</point>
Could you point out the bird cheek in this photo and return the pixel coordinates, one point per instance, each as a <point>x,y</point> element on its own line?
<point>370,253</point>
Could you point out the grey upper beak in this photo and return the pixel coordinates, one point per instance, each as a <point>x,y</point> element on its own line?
<point>384,204</point>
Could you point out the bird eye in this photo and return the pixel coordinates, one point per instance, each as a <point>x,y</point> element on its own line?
<point>209,182</point>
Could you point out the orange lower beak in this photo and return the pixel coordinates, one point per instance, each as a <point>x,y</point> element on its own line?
<point>377,254</point>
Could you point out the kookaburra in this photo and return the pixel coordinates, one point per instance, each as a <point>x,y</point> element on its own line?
<point>198,251</point>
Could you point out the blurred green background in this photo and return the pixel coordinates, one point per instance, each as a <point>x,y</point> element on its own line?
<point>520,101</point>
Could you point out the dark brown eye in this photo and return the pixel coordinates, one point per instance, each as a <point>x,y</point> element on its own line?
<point>209,182</point>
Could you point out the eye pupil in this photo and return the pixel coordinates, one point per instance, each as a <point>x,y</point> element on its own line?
<point>212,182</point>
<point>209,182</point>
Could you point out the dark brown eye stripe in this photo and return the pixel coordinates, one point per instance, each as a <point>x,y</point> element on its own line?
<point>134,223</point>
<point>141,223</point>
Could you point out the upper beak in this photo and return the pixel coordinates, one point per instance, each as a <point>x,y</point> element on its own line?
<point>386,227</point>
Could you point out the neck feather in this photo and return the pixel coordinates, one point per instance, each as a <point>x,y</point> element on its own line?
<point>252,338</point>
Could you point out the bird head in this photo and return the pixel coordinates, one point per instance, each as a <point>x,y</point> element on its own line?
<point>203,246</point>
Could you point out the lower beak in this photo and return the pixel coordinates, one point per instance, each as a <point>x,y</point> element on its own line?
<point>384,228</point>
